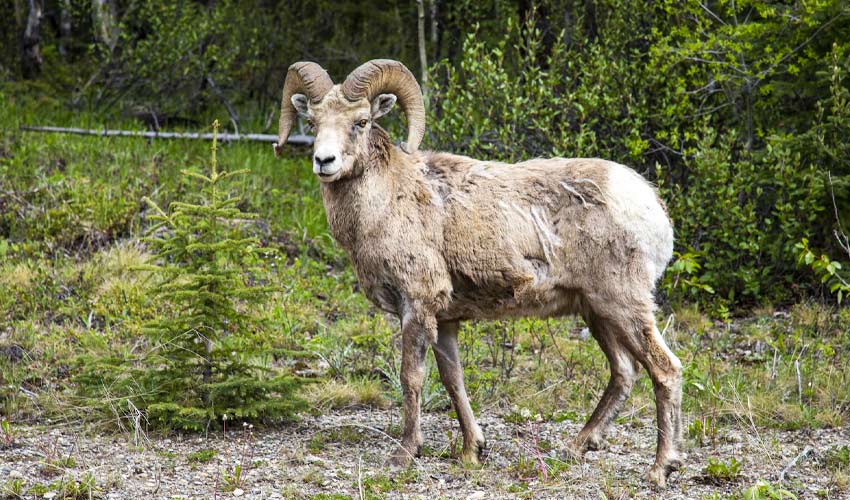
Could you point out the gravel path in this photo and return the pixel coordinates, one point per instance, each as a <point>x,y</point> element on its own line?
<point>345,453</point>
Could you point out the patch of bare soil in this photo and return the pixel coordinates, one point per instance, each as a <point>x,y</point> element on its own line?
<point>345,453</point>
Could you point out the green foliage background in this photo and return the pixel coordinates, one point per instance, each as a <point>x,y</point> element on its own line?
<point>737,110</point>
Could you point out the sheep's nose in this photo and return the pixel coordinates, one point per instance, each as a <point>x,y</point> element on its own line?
<point>324,161</point>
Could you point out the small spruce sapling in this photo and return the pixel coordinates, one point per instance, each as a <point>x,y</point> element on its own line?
<point>209,356</point>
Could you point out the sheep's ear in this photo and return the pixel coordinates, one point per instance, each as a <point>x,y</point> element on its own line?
<point>299,101</point>
<point>382,105</point>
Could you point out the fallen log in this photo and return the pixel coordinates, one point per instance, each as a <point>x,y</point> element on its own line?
<point>296,139</point>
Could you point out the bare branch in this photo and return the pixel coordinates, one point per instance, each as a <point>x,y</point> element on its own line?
<point>297,139</point>
<point>423,61</point>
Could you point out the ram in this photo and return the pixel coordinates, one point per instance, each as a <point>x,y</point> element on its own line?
<point>438,238</point>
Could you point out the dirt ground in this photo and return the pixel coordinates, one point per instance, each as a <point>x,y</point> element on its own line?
<point>345,453</point>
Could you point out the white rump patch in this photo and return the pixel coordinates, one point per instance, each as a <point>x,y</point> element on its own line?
<point>634,205</point>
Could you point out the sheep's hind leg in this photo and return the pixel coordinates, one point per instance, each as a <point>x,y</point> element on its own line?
<point>641,336</point>
<point>624,372</point>
<point>451,374</point>
<point>416,334</point>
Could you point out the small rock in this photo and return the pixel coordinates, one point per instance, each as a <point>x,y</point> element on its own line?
<point>733,437</point>
<point>478,495</point>
<point>238,492</point>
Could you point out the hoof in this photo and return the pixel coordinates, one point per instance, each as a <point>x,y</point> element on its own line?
<point>589,442</point>
<point>576,448</point>
<point>659,472</point>
<point>572,453</point>
<point>401,458</point>
<point>474,456</point>
<point>657,476</point>
<point>596,443</point>
<point>470,459</point>
<point>483,451</point>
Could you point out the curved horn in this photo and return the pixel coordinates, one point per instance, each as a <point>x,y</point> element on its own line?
<point>387,76</point>
<point>306,77</point>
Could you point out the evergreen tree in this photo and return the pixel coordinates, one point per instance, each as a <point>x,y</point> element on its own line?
<point>207,357</point>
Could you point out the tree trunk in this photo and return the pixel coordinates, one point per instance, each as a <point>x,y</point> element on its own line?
<point>442,22</point>
<point>590,26</point>
<point>64,26</point>
<point>435,55</point>
<point>105,22</point>
<point>423,60</point>
<point>31,41</point>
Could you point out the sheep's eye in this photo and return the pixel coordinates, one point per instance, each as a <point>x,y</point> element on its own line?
<point>362,123</point>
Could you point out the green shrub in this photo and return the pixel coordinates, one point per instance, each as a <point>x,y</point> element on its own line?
<point>763,490</point>
<point>829,271</point>
<point>718,471</point>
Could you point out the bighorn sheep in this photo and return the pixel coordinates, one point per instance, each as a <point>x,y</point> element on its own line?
<point>438,238</point>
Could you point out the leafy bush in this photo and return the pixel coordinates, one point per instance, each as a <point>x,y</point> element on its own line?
<point>744,215</point>
<point>829,271</point>
<point>763,490</point>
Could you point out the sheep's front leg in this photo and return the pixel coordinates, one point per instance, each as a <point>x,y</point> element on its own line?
<point>416,335</point>
<point>451,374</point>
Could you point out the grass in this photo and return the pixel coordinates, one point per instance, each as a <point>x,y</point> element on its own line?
<point>345,435</point>
<point>66,488</point>
<point>70,225</point>
<point>202,456</point>
<point>379,485</point>
<point>355,392</point>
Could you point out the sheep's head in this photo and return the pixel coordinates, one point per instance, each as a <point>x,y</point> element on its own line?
<point>342,116</point>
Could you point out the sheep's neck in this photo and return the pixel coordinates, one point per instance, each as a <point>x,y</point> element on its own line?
<point>343,206</point>
<point>358,208</point>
